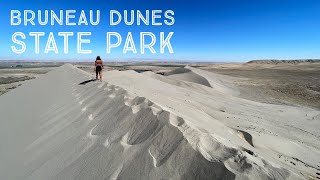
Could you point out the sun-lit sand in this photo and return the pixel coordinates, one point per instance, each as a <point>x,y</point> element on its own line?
<point>187,124</point>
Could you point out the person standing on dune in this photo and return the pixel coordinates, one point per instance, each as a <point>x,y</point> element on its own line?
<point>98,67</point>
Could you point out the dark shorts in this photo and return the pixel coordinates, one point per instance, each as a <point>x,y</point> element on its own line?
<point>98,68</point>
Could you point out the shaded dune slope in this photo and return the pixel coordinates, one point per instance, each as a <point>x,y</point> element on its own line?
<point>187,75</point>
<point>96,130</point>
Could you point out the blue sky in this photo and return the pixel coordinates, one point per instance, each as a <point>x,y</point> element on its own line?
<point>205,30</point>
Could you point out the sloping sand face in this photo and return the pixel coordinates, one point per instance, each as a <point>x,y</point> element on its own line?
<point>141,126</point>
<point>187,75</point>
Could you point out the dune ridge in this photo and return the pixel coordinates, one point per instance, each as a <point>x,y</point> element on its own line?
<point>298,61</point>
<point>100,130</point>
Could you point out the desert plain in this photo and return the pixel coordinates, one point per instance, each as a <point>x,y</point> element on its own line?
<point>160,120</point>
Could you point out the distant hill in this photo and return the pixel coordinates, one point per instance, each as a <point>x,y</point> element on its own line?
<point>284,61</point>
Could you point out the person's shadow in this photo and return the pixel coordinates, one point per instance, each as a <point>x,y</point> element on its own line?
<point>87,81</point>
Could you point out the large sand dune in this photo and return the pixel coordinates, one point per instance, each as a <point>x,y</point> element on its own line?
<point>188,75</point>
<point>146,126</point>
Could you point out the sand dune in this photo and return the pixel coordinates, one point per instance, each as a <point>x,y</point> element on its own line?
<point>187,75</point>
<point>146,126</point>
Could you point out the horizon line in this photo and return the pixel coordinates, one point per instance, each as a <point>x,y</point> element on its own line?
<point>157,60</point>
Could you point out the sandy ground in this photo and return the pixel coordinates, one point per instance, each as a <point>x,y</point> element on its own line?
<point>188,123</point>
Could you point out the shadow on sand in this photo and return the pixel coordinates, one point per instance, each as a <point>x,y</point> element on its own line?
<point>85,82</point>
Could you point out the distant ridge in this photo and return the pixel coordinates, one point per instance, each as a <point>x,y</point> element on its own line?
<point>284,61</point>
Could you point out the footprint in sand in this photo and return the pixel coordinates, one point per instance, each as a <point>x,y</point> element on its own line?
<point>84,109</point>
<point>90,117</point>
<point>245,136</point>
<point>318,173</point>
<point>102,85</point>
<point>176,120</point>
